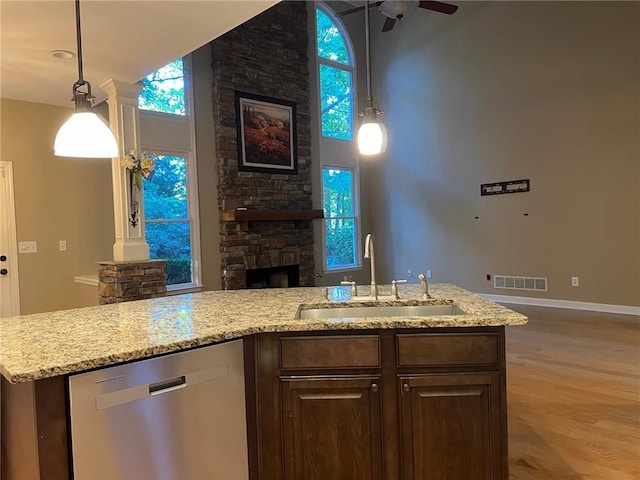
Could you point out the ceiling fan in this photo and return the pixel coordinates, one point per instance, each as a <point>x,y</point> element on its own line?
<point>395,10</point>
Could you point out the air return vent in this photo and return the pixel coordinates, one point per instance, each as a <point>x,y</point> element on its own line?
<point>520,283</point>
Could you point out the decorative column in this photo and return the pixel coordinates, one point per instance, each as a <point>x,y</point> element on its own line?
<point>125,124</point>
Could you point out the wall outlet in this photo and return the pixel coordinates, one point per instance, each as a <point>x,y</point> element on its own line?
<point>409,273</point>
<point>63,245</point>
<point>28,247</point>
<point>575,281</point>
<point>428,273</point>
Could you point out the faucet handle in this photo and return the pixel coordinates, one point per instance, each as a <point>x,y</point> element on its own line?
<point>394,287</point>
<point>354,288</point>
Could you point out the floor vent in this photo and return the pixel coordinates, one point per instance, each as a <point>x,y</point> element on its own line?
<point>520,283</point>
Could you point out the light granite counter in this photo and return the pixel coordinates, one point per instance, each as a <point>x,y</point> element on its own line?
<point>46,345</point>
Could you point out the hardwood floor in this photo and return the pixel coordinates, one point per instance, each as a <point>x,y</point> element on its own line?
<point>573,386</point>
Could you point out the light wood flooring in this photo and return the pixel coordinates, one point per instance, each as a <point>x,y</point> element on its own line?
<point>573,386</point>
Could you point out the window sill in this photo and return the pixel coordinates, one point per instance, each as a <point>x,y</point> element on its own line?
<point>91,280</point>
<point>179,290</point>
<point>342,270</point>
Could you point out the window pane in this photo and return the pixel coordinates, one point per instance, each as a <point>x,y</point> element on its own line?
<point>341,243</point>
<point>330,42</point>
<point>171,241</point>
<point>165,193</point>
<point>336,102</point>
<point>164,90</point>
<point>337,192</point>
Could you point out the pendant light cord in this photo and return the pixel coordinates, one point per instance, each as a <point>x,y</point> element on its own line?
<point>367,47</point>
<point>79,43</point>
<point>82,100</point>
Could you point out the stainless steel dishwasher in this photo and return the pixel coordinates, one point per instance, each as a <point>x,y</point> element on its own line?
<point>180,416</point>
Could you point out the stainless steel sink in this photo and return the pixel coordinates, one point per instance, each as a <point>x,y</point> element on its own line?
<point>379,311</point>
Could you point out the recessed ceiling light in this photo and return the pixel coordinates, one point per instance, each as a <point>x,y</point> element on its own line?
<point>63,54</point>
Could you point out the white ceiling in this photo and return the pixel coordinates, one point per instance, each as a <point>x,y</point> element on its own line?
<point>121,40</point>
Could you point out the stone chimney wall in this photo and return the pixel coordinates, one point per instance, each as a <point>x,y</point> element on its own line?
<point>266,56</point>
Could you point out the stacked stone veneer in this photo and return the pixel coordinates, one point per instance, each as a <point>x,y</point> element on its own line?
<point>267,56</point>
<point>127,281</point>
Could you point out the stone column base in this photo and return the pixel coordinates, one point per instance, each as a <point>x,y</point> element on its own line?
<point>126,281</point>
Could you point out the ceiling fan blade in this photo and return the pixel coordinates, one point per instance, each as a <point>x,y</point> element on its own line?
<point>439,7</point>
<point>357,9</point>
<point>389,23</point>
<point>350,11</point>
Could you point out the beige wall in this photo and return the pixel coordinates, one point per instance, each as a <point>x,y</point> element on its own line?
<point>502,91</point>
<point>56,199</point>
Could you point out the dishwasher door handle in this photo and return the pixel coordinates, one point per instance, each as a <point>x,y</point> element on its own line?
<point>132,394</point>
<point>166,386</point>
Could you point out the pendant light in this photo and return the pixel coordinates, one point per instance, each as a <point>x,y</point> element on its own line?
<point>372,136</point>
<point>85,134</point>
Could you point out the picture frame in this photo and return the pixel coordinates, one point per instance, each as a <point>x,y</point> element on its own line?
<point>267,136</point>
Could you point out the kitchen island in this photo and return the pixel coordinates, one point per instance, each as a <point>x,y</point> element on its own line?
<point>384,354</point>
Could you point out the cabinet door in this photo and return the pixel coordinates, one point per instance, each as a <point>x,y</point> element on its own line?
<point>332,428</point>
<point>451,427</point>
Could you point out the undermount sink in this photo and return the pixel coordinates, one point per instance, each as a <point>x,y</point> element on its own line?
<point>379,311</point>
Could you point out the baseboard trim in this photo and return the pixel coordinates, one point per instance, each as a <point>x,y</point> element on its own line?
<point>573,305</point>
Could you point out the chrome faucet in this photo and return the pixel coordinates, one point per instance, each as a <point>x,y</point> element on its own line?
<point>368,253</point>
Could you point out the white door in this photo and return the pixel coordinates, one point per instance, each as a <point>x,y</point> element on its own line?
<point>9,295</point>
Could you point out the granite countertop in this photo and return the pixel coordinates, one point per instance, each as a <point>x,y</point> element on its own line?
<point>46,345</point>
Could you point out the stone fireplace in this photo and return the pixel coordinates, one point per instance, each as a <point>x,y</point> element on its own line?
<point>256,254</point>
<point>273,277</point>
<point>266,229</point>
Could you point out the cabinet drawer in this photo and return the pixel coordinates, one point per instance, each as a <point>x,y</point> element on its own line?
<point>330,352</point>
<point>446,349</point>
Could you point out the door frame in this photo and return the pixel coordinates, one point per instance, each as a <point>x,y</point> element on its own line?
<point>7,201</point>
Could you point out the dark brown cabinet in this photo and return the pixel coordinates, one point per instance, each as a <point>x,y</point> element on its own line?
<point>451,427</point>
<point>423,404</point>
<point>332,428</point>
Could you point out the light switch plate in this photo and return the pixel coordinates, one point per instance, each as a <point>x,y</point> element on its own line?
<point>28,247</point>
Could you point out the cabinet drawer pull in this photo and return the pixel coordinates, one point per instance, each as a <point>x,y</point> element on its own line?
<point>406,387</point>
<point>374,387</point>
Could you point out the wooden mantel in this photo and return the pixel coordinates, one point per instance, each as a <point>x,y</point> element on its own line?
<point>269,215</point>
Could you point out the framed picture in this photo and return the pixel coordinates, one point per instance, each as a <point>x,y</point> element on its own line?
<point>266,134</point>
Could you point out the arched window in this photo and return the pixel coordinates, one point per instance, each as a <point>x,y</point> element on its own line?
<point>336,67</point>
<point>336,80</point>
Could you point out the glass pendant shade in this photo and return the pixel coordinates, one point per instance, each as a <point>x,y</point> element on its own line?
<point>372,138</point>
<point>86,135</point>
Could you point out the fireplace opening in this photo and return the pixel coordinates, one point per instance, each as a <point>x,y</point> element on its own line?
<point>274,277</point>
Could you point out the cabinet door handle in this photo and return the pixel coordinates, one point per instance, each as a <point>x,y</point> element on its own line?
<point>406,387</point>
<point>374,387</point>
